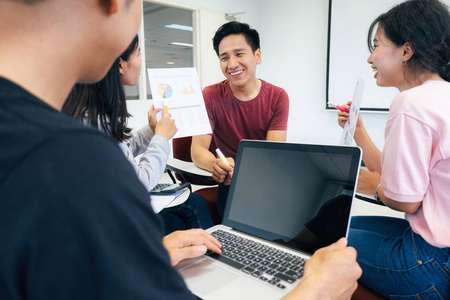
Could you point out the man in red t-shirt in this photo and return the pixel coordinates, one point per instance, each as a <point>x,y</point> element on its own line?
<point>240,107</point>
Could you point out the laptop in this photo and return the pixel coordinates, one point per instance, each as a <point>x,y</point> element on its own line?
<point>286,200</point>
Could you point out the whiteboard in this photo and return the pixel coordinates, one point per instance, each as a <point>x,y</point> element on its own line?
<point>348,25</point>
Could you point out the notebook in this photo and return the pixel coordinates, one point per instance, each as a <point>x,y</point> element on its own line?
<point>161,201</point>
<point>286,200</point>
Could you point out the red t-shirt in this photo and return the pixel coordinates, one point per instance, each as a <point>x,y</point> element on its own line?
<point>233,120</point>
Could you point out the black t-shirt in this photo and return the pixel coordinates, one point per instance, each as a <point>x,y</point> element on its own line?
<point>75,221</point>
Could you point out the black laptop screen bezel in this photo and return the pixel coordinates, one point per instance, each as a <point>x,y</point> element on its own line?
<point>352,151</point>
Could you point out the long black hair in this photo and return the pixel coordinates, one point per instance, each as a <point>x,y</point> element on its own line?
<point>103,104</point>
<point>425,25</point>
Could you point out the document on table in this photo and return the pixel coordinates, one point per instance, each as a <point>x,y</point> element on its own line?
<point>160,202</point>
<point>350,125</point>
<point>179,90</point>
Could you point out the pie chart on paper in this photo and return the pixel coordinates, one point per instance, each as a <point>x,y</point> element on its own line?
<point>165,90</point>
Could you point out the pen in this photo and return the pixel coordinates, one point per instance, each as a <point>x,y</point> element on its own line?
<point>222,157</point>
<point>338,107</point>
<point>166,109</point>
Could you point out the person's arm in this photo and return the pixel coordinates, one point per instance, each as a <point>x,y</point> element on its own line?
<point>204,159</point>
<point>140,140</point>
<point>152,163</point>
<point>367,184</point>
<point>277,131</point>
<point>331,273</point>
<point>407,207</point>
<point>189,244</point>
<point>371,154</point>
<point>102,228</point>
<point>200,154</point>
<point>276,135</point>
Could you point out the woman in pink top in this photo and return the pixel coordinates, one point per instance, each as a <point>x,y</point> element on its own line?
<point>401,258</point>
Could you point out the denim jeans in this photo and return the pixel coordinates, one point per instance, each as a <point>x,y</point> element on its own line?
<point>193,213</point>
<point>398,263</point>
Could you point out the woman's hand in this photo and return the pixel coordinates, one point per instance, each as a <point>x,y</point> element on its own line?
<point>166,127</point>
<point>151,114</point>
<point>343,116</point>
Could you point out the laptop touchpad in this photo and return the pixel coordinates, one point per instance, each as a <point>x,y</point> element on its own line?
<point>205,277</point>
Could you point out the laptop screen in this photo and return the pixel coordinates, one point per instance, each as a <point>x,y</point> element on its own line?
<point>297,195</point>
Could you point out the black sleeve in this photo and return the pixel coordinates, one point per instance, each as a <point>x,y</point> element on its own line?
<point>83,227</point>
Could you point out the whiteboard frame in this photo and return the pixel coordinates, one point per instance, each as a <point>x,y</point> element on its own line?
<point>351,62</point>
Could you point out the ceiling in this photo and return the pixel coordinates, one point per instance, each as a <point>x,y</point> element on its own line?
<point>159,53</point>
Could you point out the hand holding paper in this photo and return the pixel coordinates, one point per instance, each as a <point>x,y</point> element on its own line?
<point>176,91</point>
<point>350,124</point>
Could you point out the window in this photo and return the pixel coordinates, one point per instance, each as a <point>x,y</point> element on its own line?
<point>167,42</point>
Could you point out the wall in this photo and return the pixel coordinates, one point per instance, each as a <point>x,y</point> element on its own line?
<point>294,47</point>
<point>226,6</point>
<point>211,16</point>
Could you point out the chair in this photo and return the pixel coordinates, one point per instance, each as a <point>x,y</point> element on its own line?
<point>364,293</point>
<point>186,171</point>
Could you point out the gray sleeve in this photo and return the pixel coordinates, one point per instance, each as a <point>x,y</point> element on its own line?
<point>152,163</point>
<point>140,140</point>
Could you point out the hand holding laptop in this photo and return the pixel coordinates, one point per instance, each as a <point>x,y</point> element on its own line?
<point>189,244</point>
<point>331,273</point>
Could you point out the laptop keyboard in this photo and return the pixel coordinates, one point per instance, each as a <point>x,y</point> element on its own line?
<point>258,260</point>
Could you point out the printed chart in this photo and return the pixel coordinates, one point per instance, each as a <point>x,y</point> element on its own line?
<point>165,90</point>
<point>179,90</point>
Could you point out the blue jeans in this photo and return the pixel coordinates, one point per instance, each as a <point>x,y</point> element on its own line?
<point>398,263</point>
<point>193,213</point>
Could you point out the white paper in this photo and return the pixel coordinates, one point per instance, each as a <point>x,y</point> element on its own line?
<point>179,90</point>
<point>160,202</point>
<point>350,125</point>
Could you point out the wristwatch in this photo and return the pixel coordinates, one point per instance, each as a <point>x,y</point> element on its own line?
<point>377,198</point>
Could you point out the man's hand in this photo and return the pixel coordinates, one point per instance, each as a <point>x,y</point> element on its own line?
<point>331,273</point>
<point>222,172</point>
<point>189,243</point>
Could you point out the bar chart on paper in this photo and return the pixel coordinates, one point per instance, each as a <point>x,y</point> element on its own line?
<point>179,90</point>
<point>189,89</point>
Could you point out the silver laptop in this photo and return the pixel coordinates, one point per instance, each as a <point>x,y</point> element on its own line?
<point>286,200</point>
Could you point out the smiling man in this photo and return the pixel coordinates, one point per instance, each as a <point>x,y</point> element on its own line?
<point>240,107</point>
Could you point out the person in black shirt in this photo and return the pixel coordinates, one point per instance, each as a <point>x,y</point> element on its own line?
<point>70,227</point>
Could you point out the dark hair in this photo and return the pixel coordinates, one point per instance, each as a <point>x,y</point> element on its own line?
<point>251,35</point>
<point>133,46</point>
<point>425,25</point>
<point>103,103</point>
<point>31,1</point>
